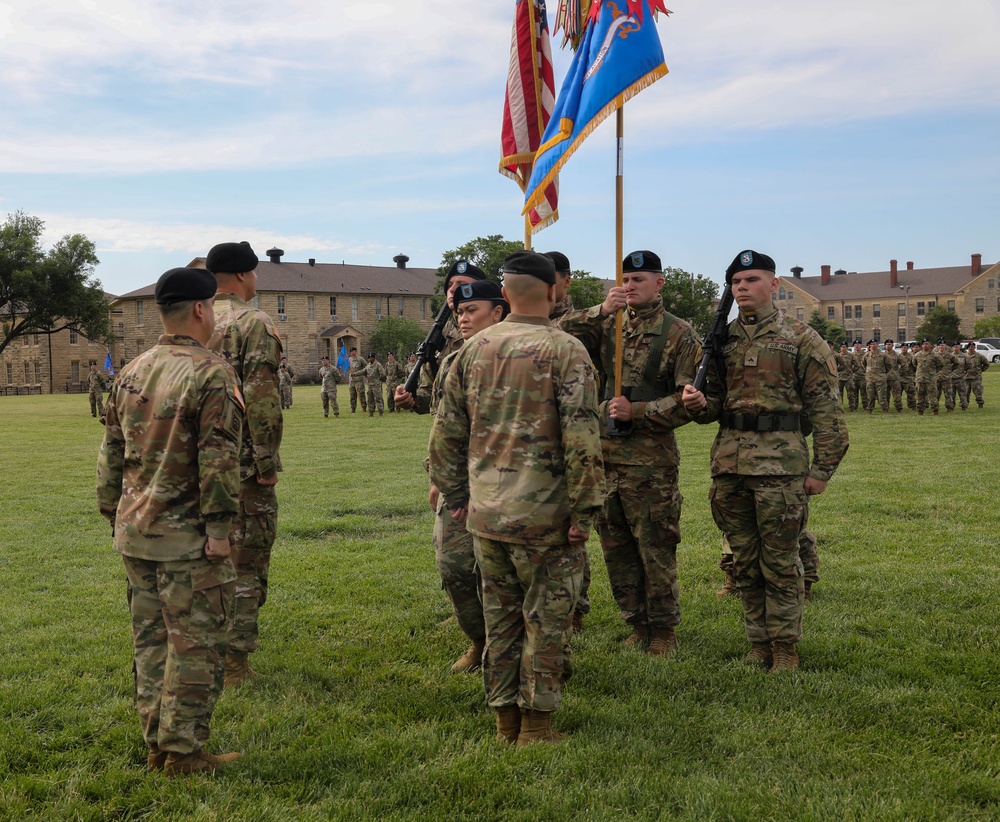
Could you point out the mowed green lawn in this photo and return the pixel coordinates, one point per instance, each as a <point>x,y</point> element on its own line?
<point>894,714</point>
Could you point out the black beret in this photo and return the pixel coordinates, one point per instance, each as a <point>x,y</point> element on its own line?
<point>941,341</point>
<point>532,264</point>
<point>971,345</point>
<point>642,261</point>
<point>231,258</point>
<point>871,342</point>
<point>481,290</point>
<point>889,341</point>
<point>924,340</point>
<point>749,260</point>
<point>372,356</point>
<point>463,268</point>
<point>559,260</point>
<point>325,358</point>
<point>180,284</point>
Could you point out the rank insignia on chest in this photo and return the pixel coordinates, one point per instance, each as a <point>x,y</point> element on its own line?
<point>750,360</point>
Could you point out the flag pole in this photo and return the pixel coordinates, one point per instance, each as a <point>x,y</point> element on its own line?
<point>619,230</point>
<point>527,216</point>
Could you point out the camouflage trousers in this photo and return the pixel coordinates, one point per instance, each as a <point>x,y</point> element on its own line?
<point>894,389</point>
<point>390,392</point>
<point>640,531</point>
<point>946,388</point>
<point>808,555</point>
<point>927,394</point>
<point>286,396</point>
<point>854,388</point>
<point>960,390</point>
<point>357,392</point>
<point>455,558</point>
<point>375,397</point>
<point>253,535</point>
<point>180,623</point>
<point>909,387</point>
<point>842,390</point>
<point>329,398</point>
<point>875,390</point>
<point>96,403</point>
<point>762,518</point>
<point>974,386</point>
<point>528,597</point>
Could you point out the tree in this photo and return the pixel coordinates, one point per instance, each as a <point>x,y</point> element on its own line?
<point>399,335</point>
<point>987,327</point>
<point>827,330</point>
<point>690,297</point>
<point>486,252</point>
<point>940,324</point>
<point>42,292</point>
<point>585,290</point>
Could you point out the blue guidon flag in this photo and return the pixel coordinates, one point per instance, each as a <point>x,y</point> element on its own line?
<point>108,366</point>
<point>619,55</point>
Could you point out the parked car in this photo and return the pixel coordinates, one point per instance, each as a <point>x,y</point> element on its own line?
<point>992,354</point>
<point>994,341</point>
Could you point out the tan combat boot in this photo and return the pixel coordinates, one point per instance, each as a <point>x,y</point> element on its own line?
<point>662,641</point>
<point>729,589</point>
<point>155,760</point>
<point>238,669</point>
<point>179,764</point>
<point>508,724</point>
<point>786,658</point>
<point>760,654</point>
<point>577,622</point>
<point>471,660</point>
<point>536,726</point>
<point>639,635</point>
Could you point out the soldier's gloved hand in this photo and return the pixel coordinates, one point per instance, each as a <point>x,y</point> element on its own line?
<point>217,549</point>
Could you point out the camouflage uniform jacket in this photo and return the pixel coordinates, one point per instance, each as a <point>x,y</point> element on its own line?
<point>561,309</point>
<point>975,364</point>
<point>652,440</point>
<point>356,370</point>
<point>841,362</point>
<point>777,366</point>
<point>168,470</point>
<point>892,365</point>
<point>394,371</point>
<point>860,358</point>
<point>957,366</point>
<point>846,373</point>
<point>97,383</point>
<point>328,377</point>
<point>428,395</point>
<point>375,373</point>
<point>284,378</point>
<point>906,367</point>
<point>245,336</point>
<point>877,365</point>
<point>947,363</point>
<point>516,434</point>
<point>927,365</point>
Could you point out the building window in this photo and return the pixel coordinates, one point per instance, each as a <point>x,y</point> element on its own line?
<point>900,333</point>
<point>10,373</point>
<point>423,309</point>
<point>930,306</point>
<point>800,313</point>
<point>333,307</point>
<point>281,307</point>
<point>25,341</point>
<point>378,308</point>
<point>74,371</point>
<point>791,295</point>
<point>311,307</point>
<point>121,330</point>
<point>989,283</point>
<point>857,312</point>
<point>354,309</point>
<point>877,335</point>
<point>781,293</point>
<point>980,305</point>
<point>848,312</point>
<point>951,306</point>
<point>140,313</point>
<point>36,339</point>
<point>400,305</point>
<point>38,372</point>
<point>921,309</point>
<point>830,312</point>
<point>877,310</point>
<point>900,309</point>
<point>72,336</point>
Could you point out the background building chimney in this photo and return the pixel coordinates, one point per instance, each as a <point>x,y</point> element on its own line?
<point>312,261</point>
<point>275,254</point>
<point>400,260</point>
<point>824,276</point>
<point>839,272</point>
<point>796,271</point>
<point>893,274</point>
<point>977,264</point>
<point>909,265</point>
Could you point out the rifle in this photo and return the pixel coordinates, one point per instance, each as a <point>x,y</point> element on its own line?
<point>427,350</point>
<point>716,339</point>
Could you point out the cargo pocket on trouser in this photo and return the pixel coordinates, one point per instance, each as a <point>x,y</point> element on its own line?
<point>547,674</point>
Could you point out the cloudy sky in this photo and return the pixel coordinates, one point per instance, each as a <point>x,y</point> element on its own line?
<point>845,133</point>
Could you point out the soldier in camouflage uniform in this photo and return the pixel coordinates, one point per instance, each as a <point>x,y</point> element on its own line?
<point>394,374</point>
<point>96,385</point>
<point>808,555</point>
<point>291,378</point>
<point>477,305</point>
<point>959,387</point>
<point>944,387</point>
<point>926,363</point>
<point>640,523</point>
<point>374,377</point>
<point>975,365</point>
<point>284,386</point>
<point>893,386</point>
<point>328,387</point>
<point>168,481</point>
<point>856,386</point>
<point>356,380</point>
<point>877,366</point>
<point>907,372</point>
<point>246,337</point>
<point>516,452</point>
<point>845,370</point>
<point>778,374</point>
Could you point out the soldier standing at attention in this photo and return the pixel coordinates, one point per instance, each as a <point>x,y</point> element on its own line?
<point>516,453</point>
<point>975,365</point>
<point>958,385</point>
<point>893,385</point>
<point>356,380</point>
<point>876,371</point>
<point>96,385</point>
<point>291,378</point>
<point>856,387</point>
<point>640,523</point>
<point>284,386</point>
<point>374,377</point>
<point>845,369</point>
<point>906,374</point>
<point>394,374</point>
<point>328,387</point>
<point>246,337</point>
<point>927,362</point>
<point>174,422</point>
<point>778,375</point>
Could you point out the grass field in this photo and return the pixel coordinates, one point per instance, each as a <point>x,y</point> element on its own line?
<point>894,714</point>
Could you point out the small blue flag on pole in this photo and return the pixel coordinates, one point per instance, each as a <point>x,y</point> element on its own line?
<point>342,362</point>
<point>108,366</point>
<point>620,54</point>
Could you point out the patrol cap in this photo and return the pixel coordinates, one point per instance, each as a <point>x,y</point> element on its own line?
<point>481,290</point>
<point>463,268</point>
<point>180,284</point>
<point>559,260</point>
<point>749,260</point>
<point>532,264</point>
<point>642,261</point>
<point>231,258</point>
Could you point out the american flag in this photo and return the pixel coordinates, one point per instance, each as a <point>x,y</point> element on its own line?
<point>528,104</point>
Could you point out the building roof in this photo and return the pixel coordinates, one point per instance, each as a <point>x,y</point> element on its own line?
<point>334,278</point>
<point>872,285</point>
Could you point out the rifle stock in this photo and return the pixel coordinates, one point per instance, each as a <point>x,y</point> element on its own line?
<point>428,349</point>
<point>716,339</point>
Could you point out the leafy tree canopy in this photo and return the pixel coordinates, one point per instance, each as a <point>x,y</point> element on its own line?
<point>987,327</point>
<point>42,292</point>
<point>486,252</point>
<point>585,290</point>
<point>399,335</point>
<point>827,330</point>
<point>940,324</point>
<point>690,297</point>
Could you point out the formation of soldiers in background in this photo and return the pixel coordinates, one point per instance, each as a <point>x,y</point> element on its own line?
<point>925,373</point>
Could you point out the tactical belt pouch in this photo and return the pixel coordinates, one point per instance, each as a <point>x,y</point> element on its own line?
<point>760,422</point>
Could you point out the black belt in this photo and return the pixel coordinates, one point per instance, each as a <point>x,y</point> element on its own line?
<point>760,422</point>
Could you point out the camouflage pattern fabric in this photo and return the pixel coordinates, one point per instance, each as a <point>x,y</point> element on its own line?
<point>328,388</point>
<point>180,629</point>
<point>285,388</point>
<point>374,377</point>
<point>877,367</point>
<point>975,365</point>
<point>926,366</point>
<point>356,382</point>
<point>945,387</point>
<point>254,531</point>
<point>907,383</point>
<point>850,368</point>
<point>843,370</point>
<point>96,387</point>
<point>455,559</point>
<point>893,385</point>
<point>808,556</point>
<point>528,597</point>
<point>394,374</point>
